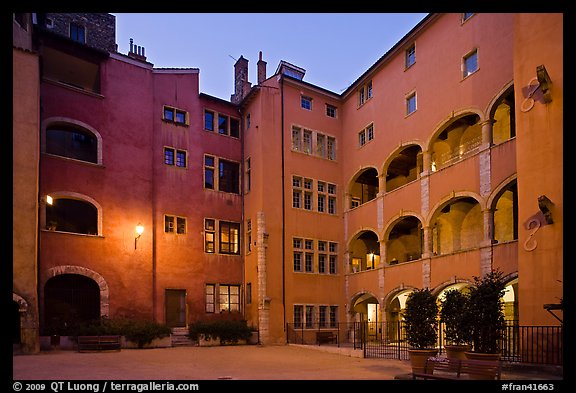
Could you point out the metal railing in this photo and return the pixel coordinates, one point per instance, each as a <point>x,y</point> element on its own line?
<point>519,344</point>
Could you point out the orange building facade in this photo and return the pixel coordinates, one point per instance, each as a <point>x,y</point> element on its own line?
<point>292,206</point>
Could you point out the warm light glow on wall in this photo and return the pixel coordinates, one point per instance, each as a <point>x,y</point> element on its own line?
<point>139,232</point>
<point>49,200</point>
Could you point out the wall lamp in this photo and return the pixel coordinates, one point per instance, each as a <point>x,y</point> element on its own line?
<point>544,81</point>
<point>139,232</point>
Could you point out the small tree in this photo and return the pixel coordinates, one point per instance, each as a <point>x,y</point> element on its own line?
<point>453,313</point>
<point>486,312</point>
<point>421,319</point>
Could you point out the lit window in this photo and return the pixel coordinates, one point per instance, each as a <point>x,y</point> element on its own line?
<point>229,298</point>
<point>210,297</point>
<point>209,236</point>
<point>229,238</point>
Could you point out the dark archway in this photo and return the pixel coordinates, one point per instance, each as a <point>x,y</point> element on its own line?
<point>69,299</point>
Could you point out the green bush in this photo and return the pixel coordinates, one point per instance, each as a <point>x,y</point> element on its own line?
<point>421,319</point>
<point>227,331</point>
<point>140,331</point>
<point>454,315</point>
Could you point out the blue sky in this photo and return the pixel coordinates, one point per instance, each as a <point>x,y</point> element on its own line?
<point>333,48</point>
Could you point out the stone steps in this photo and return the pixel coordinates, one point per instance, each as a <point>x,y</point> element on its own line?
<point>180,337</point>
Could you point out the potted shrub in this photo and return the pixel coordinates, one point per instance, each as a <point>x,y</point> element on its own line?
<point>457,326</point>
<point>486,314</point>
<point>421,324</point>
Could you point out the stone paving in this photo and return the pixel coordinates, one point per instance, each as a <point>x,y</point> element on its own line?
<point>242,362</point>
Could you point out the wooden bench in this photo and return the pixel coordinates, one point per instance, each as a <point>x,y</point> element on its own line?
<point>99,343</point>
<point>452,369</point>
<point>324,337</point>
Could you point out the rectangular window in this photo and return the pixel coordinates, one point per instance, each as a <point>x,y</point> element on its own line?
<point>77,33</point>
<point>228,176</point>
<point>208,120</point>
<point>362,138</point>
<point>234,128</point>
<point>210,297</point>
<point>309,262</point>
<point>332,265</point>
<point>298,315</point>
<point>306,102</point>
<point>229,238</point>
<point>331,148</point>
<point>248,293</point>
<point>364,93</point>
<point>321,145</point>
<point>223,125</point>
<point>370,132</point>
<point>209,168</point>
<point>229,298</point>
<point>331,205</point>
<point>296,192</point>
<point>209,236</point>
<point>321,263</point>
<point>308,184</point>
<point>180,225</point>
<point>248,178</point>
<point>308,201</point>
<point>248,236</point>
<point>321,203</point>
<point>322,321</point>
<point>333,257</point>
<point>168,156</point>
<point>297,253</point>
<point>369,90</point>
<point>180,117</point>
<point>333,316</point>
<point>470,63</point>
<point>169,224</point>
<point>181,158</point>
<point>309,317</point>
<point>410,55</point>
<point>361,96</point>
<point>296,139</point>
<point>168,114</point>
<point>410,103</point>
<point>176,116</point>
<point>330,110</point>
<point>307,142</point>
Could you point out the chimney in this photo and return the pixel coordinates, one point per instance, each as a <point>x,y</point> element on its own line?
<point>241,84</point>
<point>136,52</point>
<point>261,69</point>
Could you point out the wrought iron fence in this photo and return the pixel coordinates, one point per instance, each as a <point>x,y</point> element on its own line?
<point>519,344</point>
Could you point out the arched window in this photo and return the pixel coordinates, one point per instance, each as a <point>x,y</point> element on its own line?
<point>72,215</point>
<point>506,215</point>
<point>504,127</point>
<point>404,242</point>
<point>72,141</point>
<point>364,252</point>
<point>457,141</point>
<point>404,168</point>
<point>364,188</point>
<point>457,226</point>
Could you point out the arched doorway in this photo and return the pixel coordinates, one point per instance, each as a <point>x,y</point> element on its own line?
<point>69,299</point>
<point>366,309</point>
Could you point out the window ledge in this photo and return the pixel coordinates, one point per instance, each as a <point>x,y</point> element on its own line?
<point>73,88</point>
<point>72,233</point>
<point>74,160</point>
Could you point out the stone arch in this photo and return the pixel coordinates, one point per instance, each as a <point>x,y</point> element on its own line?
<point>403,236</point>
<point>73,195</point>
<point>70,121</point>
<point>361,187</point>
<point>408,167</point>
<point>83,271</point>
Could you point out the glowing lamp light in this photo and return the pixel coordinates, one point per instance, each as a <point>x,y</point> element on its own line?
<point>139,232</point>
<point>49,200</point>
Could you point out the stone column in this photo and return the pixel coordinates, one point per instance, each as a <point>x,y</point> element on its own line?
<point>263,300</point>
<point>427,250</point>
<point>486,133</point>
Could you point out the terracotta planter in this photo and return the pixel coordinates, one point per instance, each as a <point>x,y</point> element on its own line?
<point>418,359</point>
<point>457,351</point>
<point>482,356</point>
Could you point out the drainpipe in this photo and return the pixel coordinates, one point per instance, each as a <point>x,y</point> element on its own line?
<point>283,207</point>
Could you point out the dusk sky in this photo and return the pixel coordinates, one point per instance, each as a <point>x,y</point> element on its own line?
<point>333,48</point>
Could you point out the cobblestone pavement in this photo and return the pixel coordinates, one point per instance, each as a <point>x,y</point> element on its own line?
<point>243,362</point>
